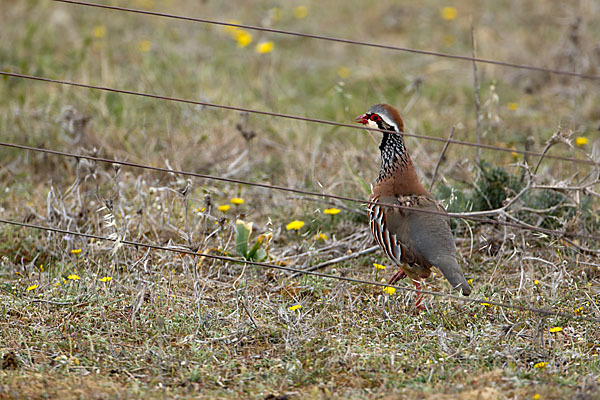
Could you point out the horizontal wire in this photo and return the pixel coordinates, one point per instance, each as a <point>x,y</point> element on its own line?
<point>299,191</point>
<point>294,117</point>
<point>540,311</point>
<point>339,40</point>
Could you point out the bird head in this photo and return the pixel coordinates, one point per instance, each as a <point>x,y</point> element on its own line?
<point>384,117</point>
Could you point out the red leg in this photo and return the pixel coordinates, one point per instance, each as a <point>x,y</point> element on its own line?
<point>398,276</point>
<point>419,298</point>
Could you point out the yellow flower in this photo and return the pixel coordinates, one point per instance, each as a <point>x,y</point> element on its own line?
<point>514,154</point>
<point>32,287</point>
<point>581,141</point>
<point>106,279</point>
<point>243,38</point>
<point>578,310</point>
<point>237,201</point>
<point>300,12</point>
<point>389,290</point>
<point>513,106</point>
<point>321,236</point>
<point>232,30</point>
<point>331,211</point>
<point>42,267</point>
<point>536,282</point>
<point>294,307</point>
<point>486,304</point>
<point>537,396</point>
<point>343,72</point>
<point>470,281</point>
<point>57,284</point>
<point>75,251</point>
<point>73,277</point>
<point>449,13</point>
<point>99,31</point>
<point>145,46</point>
<point>294,225</point>
<point>379,266</point>
<point>540,365</point>
<point>224,207</point>
<point>264,47</point>
<point>556,329</point>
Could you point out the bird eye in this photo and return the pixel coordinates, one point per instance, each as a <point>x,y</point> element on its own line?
<point>375,117</point>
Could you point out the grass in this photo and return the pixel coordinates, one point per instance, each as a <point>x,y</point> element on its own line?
<point>168,325</point>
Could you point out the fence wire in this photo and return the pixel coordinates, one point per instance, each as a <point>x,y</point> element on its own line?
<point>339,40</point>
<point>540,311</point>
<point>295,117</point>
<point>301,191</point>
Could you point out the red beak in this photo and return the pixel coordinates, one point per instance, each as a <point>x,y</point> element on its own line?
<point>361,119</point>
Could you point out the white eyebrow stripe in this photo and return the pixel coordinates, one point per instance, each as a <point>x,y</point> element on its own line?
<point>389,122</point>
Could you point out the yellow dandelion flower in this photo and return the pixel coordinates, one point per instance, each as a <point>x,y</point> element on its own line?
<point>343,72</point>
<point>389,290</point>
<point>300,12</point>
<point>224,207</point>
<point>537,396</point>
<point>237,201</point>
<point>233,30</point>
<point>73,277</point>
<point>449,13</point>
<point>486,304</point>
<point>578,310</point>
<point>470,282</point>
<point>243,38</point>
<point>32,287</point>
<point>42,267</point>
<point>99,31</point>
<point>57,284</point>
<point>294,307</point>
<point>106,279</point>
<point>294,225</point>
<point>321,236</point>
<point>331,211</point>
<point>536,282</point>
<point>556,329</point>
<point>75,251</point>
<point>581,141</point>
<point>513,106</point>
<point>540,365</point>
<point>378,266</point>
<point>514,154</point>
<point>265,47</point>
<point>145,46</point>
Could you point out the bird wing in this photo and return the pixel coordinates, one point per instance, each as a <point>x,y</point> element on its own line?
<point>426,234</point>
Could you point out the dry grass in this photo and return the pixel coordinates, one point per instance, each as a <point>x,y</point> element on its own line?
<point>168,325</point>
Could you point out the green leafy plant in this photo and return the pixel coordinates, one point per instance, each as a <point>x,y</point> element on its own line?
<point>494,185</point>
<point>242,242</point>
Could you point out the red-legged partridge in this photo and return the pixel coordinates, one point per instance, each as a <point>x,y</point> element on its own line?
<point>413,240</point>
